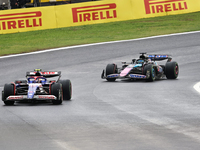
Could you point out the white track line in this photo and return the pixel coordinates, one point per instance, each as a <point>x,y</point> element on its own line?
<point>197,87</point>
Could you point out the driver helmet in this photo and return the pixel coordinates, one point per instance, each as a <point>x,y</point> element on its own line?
<point>140,61</point>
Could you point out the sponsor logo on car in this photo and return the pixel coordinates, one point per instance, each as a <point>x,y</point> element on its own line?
<point>113,76</point>
<point>160,6</point>
<point>137,76</point>
<point>14,97</point>
<point>44,73</point>
<point>20,20</point>
<point>95,12</point>
<point>46,97</point>
<point>158,56</point>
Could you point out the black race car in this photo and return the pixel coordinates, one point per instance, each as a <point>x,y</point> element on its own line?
<point>37,88</point>
<point>145,68</point>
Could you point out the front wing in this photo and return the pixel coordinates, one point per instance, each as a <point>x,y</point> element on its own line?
<point>25,97</point>
<point>131,76</point>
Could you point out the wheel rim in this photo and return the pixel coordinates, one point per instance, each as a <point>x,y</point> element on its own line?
<point>176,70</point>
<point>70,89</point>
<point>153,73</point>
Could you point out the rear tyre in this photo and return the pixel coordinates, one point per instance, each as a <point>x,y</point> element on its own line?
<point>8,91</point>
<point>56,90</point>
<point>171,70</point>
<point>111,69</point>
<point>149,71</point>
<point>67,89</point>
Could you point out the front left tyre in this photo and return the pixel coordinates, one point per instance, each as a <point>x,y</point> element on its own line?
<point>67,89</point>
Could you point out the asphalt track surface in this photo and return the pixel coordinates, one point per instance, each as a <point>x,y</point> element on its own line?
<point>121,115</point>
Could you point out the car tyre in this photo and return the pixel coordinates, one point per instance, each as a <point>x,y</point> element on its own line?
<point>151,73</point>
<point>111,69</point>
<point>67,89</point>
<point>8,91</point>
<point>56,90</point>
<point>171,70</point>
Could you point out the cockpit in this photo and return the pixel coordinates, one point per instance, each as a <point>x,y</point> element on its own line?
<point>140,61</point>
<point>37,79</point>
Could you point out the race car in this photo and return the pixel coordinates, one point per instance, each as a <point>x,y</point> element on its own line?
<point>146,67</point>
<point>36,87</point>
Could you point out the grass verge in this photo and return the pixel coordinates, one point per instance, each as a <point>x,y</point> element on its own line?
<point>45,39</point>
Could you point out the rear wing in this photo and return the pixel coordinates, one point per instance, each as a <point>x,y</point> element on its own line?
<point>159,57</point>
<point>47,74</point>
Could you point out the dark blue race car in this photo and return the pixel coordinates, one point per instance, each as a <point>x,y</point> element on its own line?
<point>36,87</point>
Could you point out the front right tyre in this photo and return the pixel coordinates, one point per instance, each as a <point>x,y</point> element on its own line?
<point>149,71</point>
<point>8,91</point>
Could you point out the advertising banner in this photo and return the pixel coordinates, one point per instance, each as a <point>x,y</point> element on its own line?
<point>93,12</point>
<point>154,8</point>
<point>118,10</point>
<point>39,18</point>
<point>22,20</point>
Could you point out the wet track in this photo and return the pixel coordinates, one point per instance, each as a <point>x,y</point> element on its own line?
<point>135,115</point>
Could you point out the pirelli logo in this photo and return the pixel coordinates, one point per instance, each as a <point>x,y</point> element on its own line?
<point>20,20</point>
<point>159,6</point>
<point>95,12</point>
